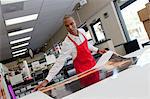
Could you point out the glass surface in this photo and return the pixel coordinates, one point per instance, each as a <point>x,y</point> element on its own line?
<point>111,68</point>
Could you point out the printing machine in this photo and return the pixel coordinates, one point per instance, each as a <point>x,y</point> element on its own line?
<point>133,82</point>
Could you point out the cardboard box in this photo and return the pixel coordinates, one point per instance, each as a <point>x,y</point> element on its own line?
<point>143,15</point>
<point>147,27</point>
<point>148,9</point>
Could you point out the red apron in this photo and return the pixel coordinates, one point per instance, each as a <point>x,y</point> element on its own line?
<point>85,61</point>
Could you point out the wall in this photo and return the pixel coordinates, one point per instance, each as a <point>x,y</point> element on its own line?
<point>111,24</point>
<point>120,50</point>
<point>94,10</point>
<point>108,44</point>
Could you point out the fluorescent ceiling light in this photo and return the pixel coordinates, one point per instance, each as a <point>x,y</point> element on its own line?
<point>21,19</point>
<point>21,45</point>
<point>19,51</point>
<point>3,2</point>
<point>20,40</point>
<point>19,54</point>
<point>20,32</point>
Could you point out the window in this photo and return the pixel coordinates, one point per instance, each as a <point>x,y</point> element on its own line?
<point>87,34</point>
<point>128,12</point>
<point>98,31</point>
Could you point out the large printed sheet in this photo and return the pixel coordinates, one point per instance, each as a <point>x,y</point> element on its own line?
<point>112,60</point>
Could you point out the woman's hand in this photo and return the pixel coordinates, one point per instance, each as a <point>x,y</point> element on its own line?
<point>43,84</point>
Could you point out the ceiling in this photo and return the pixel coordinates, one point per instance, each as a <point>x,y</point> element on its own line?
<point>50,16</point>
<point>51,13</point>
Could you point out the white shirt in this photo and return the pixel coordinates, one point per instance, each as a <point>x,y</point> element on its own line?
<point>68,48</point>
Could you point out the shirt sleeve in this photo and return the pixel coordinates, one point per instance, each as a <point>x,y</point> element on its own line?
<point>66,51</point>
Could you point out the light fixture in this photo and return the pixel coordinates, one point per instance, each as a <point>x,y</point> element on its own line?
<point>21,45</point>
<point>20,32</point>
<point>19,54</point>
<point>19,51</point>
<point>21,19</point>
<point>3,2</point>
<point>20,40</point>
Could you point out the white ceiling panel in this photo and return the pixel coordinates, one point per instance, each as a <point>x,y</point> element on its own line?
<point>4,2</point>
<point>20,36</point>
<point>29,7</point>
<point>58,2</point>
<point>20,13</point>
<point>22,25</point>
<point>43,33</point>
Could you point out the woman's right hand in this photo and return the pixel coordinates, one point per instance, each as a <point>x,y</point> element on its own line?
<point>43,84</point>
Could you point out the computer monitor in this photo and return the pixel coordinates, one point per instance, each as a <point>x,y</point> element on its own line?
<point>16,79</point>
<point>35,65</point>
<point>131,46</point>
